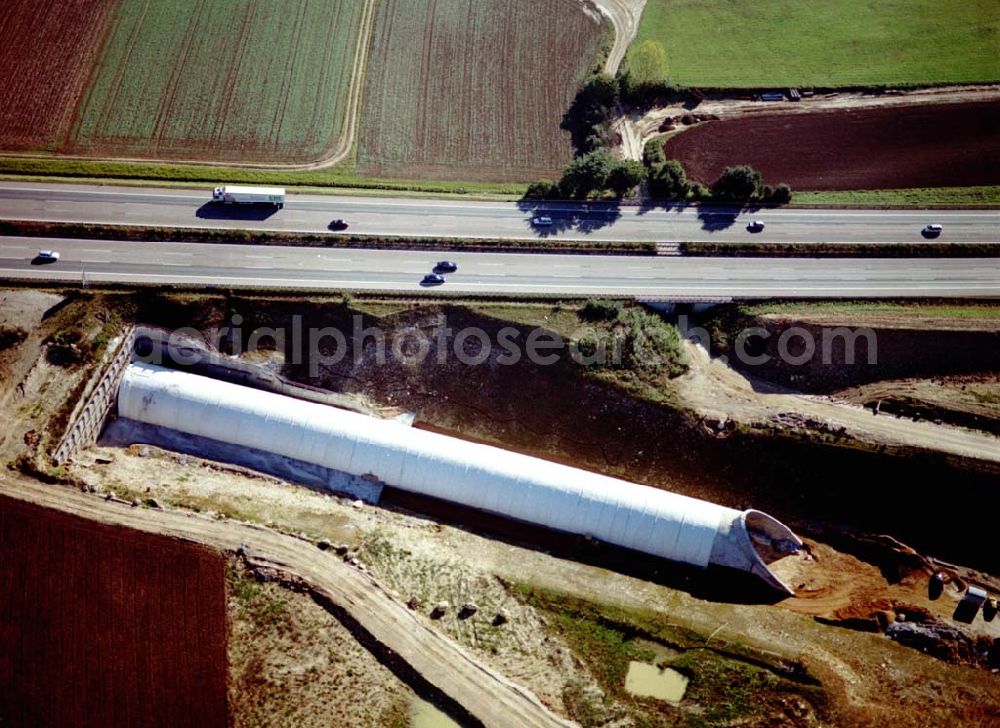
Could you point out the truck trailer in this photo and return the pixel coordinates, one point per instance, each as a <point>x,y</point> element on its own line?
<point>233,195</point>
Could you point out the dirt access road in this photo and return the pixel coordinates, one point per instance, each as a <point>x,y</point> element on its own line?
<point>716,390</point>
<point>624,16</point>
<point>486,696</point>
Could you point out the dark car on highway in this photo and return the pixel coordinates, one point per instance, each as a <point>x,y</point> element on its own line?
<point>445,266</point>
<point>755,226</point>
<point>432,279</point>
<point>338,225</point>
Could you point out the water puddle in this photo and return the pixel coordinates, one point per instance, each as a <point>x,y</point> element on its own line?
<point>426,715</point>
<point>649,681</point>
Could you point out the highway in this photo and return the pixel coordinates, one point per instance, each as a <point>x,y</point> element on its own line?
<point>469,219</point>
<point>552,275</point>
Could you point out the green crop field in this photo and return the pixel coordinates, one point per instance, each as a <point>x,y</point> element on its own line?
<point>831,43</point>
<point>220,79</point>
<point>474,90</point>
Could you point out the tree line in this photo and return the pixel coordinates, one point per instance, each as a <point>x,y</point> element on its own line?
<point>596,172</point>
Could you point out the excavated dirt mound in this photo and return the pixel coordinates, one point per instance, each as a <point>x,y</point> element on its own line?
<point>927,146</point>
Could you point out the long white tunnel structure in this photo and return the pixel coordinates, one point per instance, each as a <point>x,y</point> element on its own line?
<point>516,486</point>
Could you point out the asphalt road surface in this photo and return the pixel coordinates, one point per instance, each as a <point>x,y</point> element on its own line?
<point>447,218</point>
<point>278,267</point>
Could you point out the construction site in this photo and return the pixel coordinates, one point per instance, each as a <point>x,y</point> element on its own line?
<point>388,535</point>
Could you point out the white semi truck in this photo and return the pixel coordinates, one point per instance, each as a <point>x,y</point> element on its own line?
<point>234,195</point>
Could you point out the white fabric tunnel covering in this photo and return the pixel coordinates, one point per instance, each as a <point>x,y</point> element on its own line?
<point>509,484</point>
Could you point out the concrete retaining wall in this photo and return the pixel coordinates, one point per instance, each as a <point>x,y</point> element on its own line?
<point>92,410</point>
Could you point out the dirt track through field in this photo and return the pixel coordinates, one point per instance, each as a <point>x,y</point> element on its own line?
<point>624,16</point>
<point>488,697</point>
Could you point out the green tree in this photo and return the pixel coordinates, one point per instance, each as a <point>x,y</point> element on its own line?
<point>737,184</point>
<point>586,174</point>
<point>699,191</point>
<point>652,153</point>
<point>625,176</point>
<point>600,92</point>
<point>782,194</point>
<point>647,63</point>
<point>600,309</point>
<point>543,189</point>
<point>592,109</point>
<point>669,181</point>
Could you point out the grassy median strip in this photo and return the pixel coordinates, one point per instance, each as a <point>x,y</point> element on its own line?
<point>842,250</point>
<point>84,231</point>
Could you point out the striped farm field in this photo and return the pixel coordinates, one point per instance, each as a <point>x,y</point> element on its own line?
<point>473,89</point>
<point>222,80</point>
<point>46,52</point>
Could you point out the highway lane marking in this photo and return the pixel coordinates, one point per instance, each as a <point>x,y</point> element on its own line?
<point>106,193</point>
<point>446,205</point>
<point>544,285</point>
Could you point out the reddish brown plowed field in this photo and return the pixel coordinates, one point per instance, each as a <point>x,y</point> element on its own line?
<point>937,146</point>
<point>103,626</point>
<point>46,52</point>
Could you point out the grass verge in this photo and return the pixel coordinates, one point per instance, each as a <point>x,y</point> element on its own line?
<point>971,310</point>
<point>985,196</point>
<point>337,176</point>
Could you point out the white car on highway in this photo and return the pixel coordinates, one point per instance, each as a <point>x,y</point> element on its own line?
<point>541,221</point>
<point>48,255</point>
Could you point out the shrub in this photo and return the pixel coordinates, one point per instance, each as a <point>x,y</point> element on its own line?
<point>67,348</point>
<point>669,181</point>
<point>625,176</point>
<point>650,345</point>
<point>543,189</point>
<point>600,309</point>
<point>737,184</point>
<point>699,191</point>
<point>635,340</point>
<point>586,174</point>
<point>652,153</point>
<point>11,336</point>
<point>587,346</point>
<point>782,194</point>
